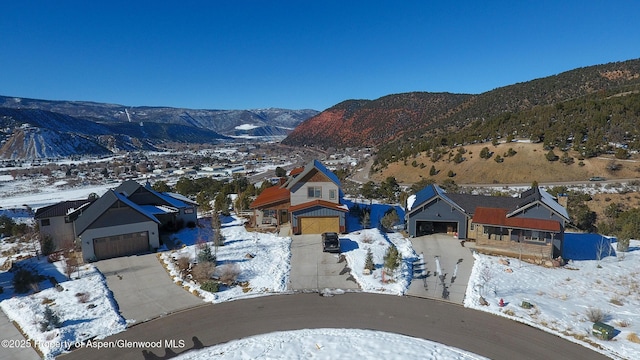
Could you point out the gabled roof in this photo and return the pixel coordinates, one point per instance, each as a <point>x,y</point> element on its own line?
<point>468,203</point>
<point>534,195</point>
<point>180,197</point>
<point>60,209</point>
<point>427,194</point>
<point>100,206</point>
<point>498,217</point>
<point>128,187</point>
<point>271,195</point>
<point>321,203</point>
<point>313,165</point>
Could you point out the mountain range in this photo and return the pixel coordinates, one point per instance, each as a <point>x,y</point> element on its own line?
<point>31,128</point>
<point>586,108</point>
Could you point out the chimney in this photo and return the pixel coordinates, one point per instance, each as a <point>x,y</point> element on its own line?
<point>563,199</point>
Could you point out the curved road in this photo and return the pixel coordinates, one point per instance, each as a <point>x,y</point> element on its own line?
<point>450,324</point>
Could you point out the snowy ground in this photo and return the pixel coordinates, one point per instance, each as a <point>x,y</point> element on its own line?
<point>85,307</point>
<point>330,344</point>
<point>261,259</point>
<point>378,243</point>
<point>563,297</point>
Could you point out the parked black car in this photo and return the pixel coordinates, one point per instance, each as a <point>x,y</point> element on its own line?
<point>330,242</point>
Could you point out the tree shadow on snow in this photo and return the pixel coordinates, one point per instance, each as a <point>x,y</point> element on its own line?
<point>347,245</point>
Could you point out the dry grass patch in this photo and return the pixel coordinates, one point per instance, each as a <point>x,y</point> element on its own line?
<point>529,163</point>
<point>633,337</point>
<point>616,300</point>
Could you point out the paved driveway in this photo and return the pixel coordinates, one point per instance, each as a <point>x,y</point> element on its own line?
<point>312,269</point>
<point>142,288</point>
<point>8,331</point>
<point>446,250</point>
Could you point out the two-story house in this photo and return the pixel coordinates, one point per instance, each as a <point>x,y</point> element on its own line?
<point>311,200</point>
<point>56,222</point>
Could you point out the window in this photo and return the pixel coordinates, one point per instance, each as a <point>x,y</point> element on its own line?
<point>45,222</point>
<point>332,194</point>
<point>188,211</point>
<point>314,192</point>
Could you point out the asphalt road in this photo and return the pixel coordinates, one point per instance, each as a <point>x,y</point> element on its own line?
<point>446,323</point>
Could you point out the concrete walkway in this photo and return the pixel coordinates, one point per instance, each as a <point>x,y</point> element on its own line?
<point>452,258</point>
<point>143,289</point>
<point>312,269</point>
<point>8,331</point>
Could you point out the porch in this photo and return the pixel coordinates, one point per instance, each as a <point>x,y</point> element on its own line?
<point>511,248</point>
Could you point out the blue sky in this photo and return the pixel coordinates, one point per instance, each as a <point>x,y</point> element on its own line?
<point>298,54</point>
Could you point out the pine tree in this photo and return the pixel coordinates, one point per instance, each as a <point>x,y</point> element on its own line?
<point>368,262</point>
<point>205,254</point>
<point>51,320</point>
<point>392,259</point>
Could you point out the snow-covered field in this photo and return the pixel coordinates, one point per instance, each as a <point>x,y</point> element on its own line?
<point>565,298</point>
<point>330,344</point>
<point>262,260</point>
<point>85,307</point>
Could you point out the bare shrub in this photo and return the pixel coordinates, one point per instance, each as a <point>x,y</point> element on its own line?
<point>83,297</point>
<point>366,238</point>
<point>229,273</point>
<point>203,271</point>
<point>623,323</point>
<point>183,263</point>
<point>595,315</point>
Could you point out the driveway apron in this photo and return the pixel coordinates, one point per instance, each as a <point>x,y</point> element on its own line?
<point>9,332</point>
<point>143,289</point>
<point>455,263</point>
<point>312,269</point>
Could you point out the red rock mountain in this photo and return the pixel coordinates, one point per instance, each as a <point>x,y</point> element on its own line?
<point>374,122</point>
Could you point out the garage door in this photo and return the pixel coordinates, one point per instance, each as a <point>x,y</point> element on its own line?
<point>121,245</point>
<point>318,225</point>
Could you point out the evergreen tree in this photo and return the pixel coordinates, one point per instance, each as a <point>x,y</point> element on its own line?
<point>392,259</point>
<point>51,320</point>
<point>205,254</point>
<point>368,261</point>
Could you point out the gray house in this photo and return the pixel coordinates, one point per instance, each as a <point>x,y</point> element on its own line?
<point>532,223</point>
<point>128,220</point>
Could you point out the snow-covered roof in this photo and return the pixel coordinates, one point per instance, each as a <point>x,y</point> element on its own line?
<point>158,209</point>
<point>410,201</point>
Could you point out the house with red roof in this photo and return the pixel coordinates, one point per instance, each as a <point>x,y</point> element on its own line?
<point>531,224</point>
<point>310,200</point>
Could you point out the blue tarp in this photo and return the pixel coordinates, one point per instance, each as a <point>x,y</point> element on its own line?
<point>578,246</point>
